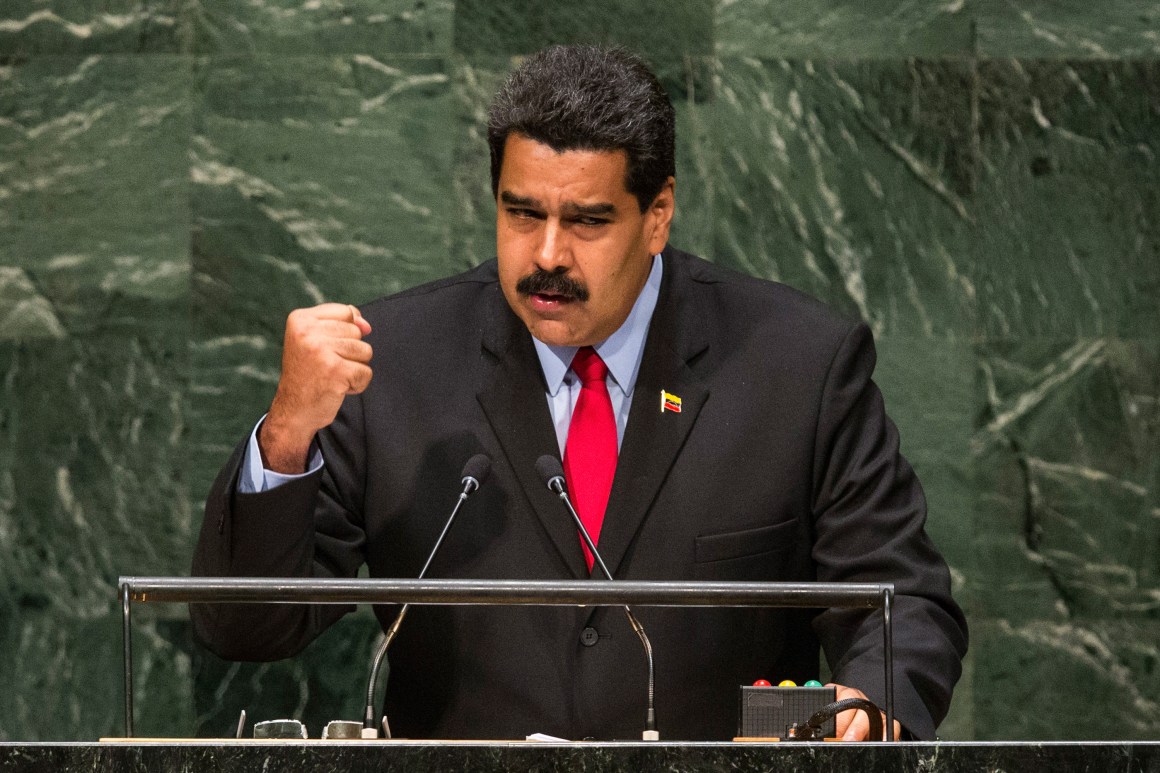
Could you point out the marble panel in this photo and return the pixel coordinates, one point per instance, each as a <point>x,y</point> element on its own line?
<point>62,675</point>
<point>929,386</point>
<point>316,178</point>
<point>91,467</point>
<point>79,27</point>
<point>94,284</point>
<point>878,29</point>
<point>1064,679</point>
<point>672,35</point>
<point>959,724</point>
<point>1067,242</point>
<point>476,80</point>
<point>652,27</point>
<point>92,486</point>
<point>695,218</point>
<point>332,169</point>
<point>373,27</point>
<point>327,681</point>
<point>1066,449</point>
<point>92,314</point>
<point>94,225</point>
<point>850,181</point>
<point>1071,29</point>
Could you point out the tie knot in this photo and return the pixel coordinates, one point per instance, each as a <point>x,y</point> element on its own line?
<point>588,366</point>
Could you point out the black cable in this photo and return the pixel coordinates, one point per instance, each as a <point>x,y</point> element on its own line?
<point>811,729</point>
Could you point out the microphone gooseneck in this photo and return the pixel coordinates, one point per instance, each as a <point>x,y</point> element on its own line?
<point>551,472</point>
<point>473,475</point>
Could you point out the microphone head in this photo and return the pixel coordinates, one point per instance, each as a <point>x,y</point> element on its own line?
<point>476,469</point>
<point>551,472</point>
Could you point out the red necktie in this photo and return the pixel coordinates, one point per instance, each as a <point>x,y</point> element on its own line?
<point>590,453</point>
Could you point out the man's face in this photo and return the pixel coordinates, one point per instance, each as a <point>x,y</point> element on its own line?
<point>574,248</point>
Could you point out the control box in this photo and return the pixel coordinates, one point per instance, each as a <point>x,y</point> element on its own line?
<point>768,712</point>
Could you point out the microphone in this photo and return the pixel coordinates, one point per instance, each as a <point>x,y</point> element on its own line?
<point>552,473</point>
<point>474,474</point>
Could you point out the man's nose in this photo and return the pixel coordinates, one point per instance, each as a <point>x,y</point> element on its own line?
<point>555,251</point>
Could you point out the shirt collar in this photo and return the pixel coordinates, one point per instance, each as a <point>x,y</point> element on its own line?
<point>621,351</point>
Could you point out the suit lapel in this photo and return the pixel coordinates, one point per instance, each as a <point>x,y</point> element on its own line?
<point>653,438</point>
<point>511,393</point>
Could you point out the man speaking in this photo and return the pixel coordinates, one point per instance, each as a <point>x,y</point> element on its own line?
<point>712,426</point>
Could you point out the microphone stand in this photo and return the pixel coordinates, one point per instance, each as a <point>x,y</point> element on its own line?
<point>473,474</point>
<point>556,484</point>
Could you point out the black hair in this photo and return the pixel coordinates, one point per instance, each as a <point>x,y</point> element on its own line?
<point>589,98</point>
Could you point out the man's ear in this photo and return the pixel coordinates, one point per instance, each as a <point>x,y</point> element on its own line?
<point>659,216</point>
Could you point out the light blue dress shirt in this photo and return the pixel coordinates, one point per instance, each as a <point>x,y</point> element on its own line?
<point>621,352</point>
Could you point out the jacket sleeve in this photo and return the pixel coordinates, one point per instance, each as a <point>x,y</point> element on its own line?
<point>308,527</point>
<point>869,515</point>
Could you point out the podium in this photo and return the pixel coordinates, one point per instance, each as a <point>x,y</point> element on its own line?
<point>311,756</point>
<point>867,596</point>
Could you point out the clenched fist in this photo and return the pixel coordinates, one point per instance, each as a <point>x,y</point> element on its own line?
<point>324,359</point>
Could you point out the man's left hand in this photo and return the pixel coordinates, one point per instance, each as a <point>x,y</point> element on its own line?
<point>853,725</point>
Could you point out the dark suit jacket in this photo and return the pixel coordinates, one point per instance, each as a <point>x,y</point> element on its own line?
<point>782,465</point>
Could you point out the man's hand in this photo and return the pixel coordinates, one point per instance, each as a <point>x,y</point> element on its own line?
<point>324,359</point>
<point>853,725</point>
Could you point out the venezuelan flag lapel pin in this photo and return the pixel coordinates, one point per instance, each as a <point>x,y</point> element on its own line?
<point>670,402</point>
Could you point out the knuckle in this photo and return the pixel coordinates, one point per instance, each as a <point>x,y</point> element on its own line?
<point>299,335</point>
<point>298,318</point>
<point>359,383</point>
<point>312,346</point>
<point>332,370</point>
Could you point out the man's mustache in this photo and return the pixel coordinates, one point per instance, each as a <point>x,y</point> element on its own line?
<point>543,282</point>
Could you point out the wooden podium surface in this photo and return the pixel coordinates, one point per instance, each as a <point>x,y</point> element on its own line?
<point>138,755</point>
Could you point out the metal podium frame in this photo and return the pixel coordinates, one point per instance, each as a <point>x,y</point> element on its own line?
<point>269,590</point>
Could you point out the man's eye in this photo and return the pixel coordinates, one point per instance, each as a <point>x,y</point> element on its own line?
<point>593,221</point>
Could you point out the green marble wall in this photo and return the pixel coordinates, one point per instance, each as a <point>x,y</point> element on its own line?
<point>978,179</point>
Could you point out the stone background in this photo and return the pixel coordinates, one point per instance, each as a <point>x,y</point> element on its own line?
<point>978,179</point>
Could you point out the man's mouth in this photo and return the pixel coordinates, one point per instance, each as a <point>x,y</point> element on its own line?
<point>549,301</point>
